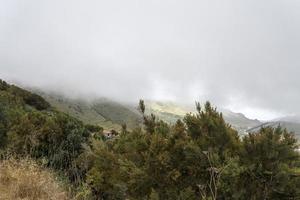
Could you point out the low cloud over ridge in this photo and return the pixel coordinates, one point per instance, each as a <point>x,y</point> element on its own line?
<point>239,54</point>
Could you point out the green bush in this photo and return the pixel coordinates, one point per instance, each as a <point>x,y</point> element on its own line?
<point>27,129</point>
<point>201,157</point>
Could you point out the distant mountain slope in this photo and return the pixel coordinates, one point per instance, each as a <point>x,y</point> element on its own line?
<point>239,121</point>
<point>292,123</point>
<point>111,115</point>
<point>290,126</point>
<point>170,112</point>
<point>167,111</point>
<point>102,112</point>
<point>116,112</point>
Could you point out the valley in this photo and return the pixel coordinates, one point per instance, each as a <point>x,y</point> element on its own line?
<point>110,114</point>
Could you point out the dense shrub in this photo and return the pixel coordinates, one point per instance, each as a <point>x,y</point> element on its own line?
<point>29,98</point>
<point>201,157</point>
<point>42,134</point>
<point>270,161</point>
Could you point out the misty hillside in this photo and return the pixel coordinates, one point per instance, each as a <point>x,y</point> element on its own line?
<point>154,162</point>
<point>170,112</point>
<point>100,100</point>
<point>290,123</point>
<point>102,112</point>
<point>111,115</point>
<point>239,121</point>
<point>291,126</point>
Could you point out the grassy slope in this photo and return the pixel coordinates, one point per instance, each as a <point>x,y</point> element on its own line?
<point>102,112</point>
<point>111,115</point>
<point>117,113</point>
<point>166,111</point>
<point>170,112</point>
<point>24,179</point>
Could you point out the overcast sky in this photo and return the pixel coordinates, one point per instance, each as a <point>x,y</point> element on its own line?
<point>243,55</point>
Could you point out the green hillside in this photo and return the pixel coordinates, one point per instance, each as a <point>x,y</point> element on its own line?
<point>159,161</point>
<point>30,126</point>
<point>167,111</point>
<point>171,112</point>
<point>116,112</point>
<point>111,115</point>
<point>103,112</point>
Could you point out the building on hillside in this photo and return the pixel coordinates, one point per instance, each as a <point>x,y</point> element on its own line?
<point>110,134</point>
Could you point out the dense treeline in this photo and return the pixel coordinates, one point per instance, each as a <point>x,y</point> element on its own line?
<point>201,157</point>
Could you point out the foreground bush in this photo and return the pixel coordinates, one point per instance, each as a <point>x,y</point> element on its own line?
<point>30,127</point>
<point>201,157</point>
<point>24,179</point>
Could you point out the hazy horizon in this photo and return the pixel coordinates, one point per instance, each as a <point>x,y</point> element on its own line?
<point>240,55</point>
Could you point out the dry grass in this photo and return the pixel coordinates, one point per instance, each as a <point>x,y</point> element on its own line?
<point>24,179</point>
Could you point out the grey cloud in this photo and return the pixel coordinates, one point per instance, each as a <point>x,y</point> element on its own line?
<point>239,54</point>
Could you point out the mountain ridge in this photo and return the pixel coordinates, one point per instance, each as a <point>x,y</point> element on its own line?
<point>112,114</point>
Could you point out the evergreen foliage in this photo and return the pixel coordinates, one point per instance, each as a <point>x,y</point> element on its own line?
<point>30,127</point>
<point>199,157</point>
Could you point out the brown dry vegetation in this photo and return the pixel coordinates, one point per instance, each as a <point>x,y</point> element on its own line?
<point>24,179</point>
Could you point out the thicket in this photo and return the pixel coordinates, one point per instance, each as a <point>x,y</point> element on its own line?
<point>201,157</point>
<point>30,127</point>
